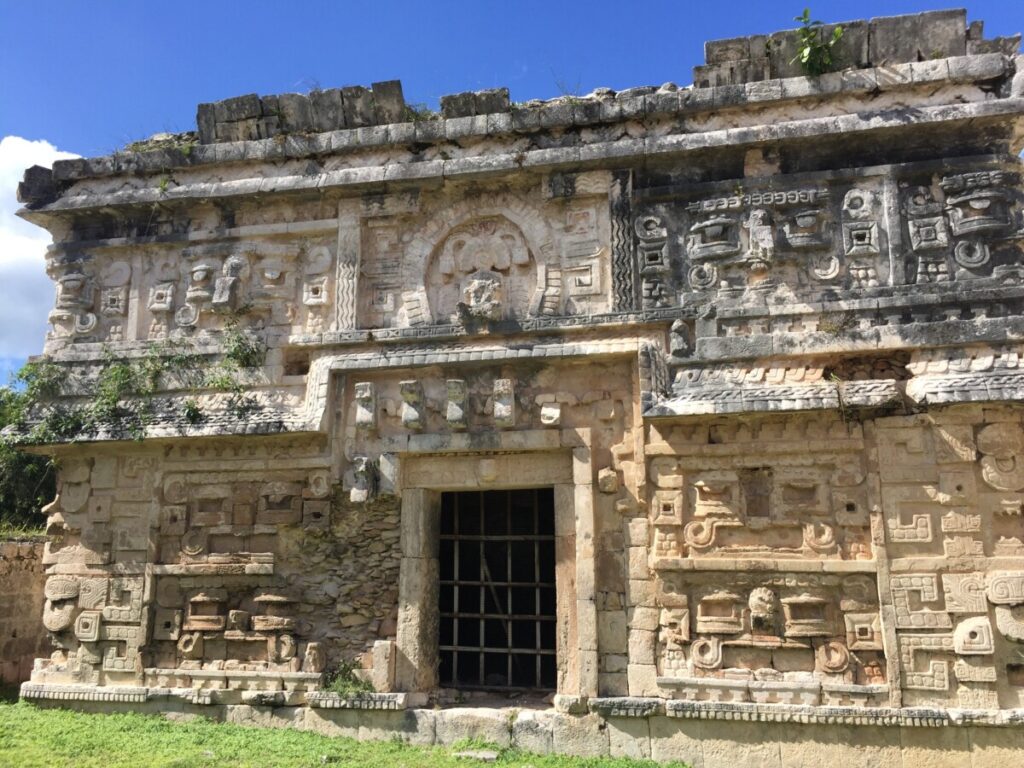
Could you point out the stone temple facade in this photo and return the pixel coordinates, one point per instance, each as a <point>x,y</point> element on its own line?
<point>686,405</point>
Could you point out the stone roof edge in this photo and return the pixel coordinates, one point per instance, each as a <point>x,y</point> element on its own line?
<point>577,157</point>
<point>41,185</point>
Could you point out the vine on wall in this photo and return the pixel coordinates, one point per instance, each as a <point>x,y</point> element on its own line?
<point>46,403</point>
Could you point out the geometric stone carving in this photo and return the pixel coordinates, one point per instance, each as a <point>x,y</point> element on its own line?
<point>1005,587</point>
<point>860,238</point>
<point>161,298</point>
<point>972,671</point>
<point>926,588</point>
<point>936,676</point>
<point>962,546</point>
<point>93,593</point>
<point>976,202</point>
<point>806,616</point>
<point>720,612</point>
<point>965,592</point>
<point>61,588</point>
<point>928,233</point>
<point>960,522</point>
<point>1011,627</point>
<point>126,610</point>
<point>973,637</point>
<point>664,472</point>
<point>863,631</point>
<point>918,530</point>
<point>127,638</point>
<point>970,254</point>
<point>668,506</point>
<point>87,626</point>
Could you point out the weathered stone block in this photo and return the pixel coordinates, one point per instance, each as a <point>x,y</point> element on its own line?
<point>533,731</point>
<point>388,102</point>
<point>493,100</point>
<point>932,35</point>
<point>629,737</point>
<point>458,105</point>
<point>357,103</point>
<point>462,723</point>
<point>237,108</point>
<point>296,113</point>
<point>586,735</point>
<point>36,186</point>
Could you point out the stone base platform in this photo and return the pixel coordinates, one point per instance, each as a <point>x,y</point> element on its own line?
<point>701,734</point>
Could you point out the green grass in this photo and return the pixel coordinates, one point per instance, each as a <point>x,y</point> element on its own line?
<point>18,530</point>
<point>31,737</point>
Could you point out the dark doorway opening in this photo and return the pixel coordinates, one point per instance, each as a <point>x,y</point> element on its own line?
<point>497,590</point>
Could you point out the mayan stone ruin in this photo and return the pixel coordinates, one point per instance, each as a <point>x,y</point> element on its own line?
<point>692,414</point>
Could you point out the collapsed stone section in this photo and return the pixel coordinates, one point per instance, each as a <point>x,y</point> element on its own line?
<point>760,340</point>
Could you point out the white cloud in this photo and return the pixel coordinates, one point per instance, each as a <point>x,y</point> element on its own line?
<point>26,293</point>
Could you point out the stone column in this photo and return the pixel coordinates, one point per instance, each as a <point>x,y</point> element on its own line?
<point>416,643</point>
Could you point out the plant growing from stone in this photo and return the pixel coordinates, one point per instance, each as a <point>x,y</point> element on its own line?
<point>120,398</point>
<point>814,51</point>
<point>342,680</point>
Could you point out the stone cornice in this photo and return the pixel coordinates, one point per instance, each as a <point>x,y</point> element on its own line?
<point>578,157</point>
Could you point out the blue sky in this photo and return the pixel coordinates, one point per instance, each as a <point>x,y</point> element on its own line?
<point>88,77</point>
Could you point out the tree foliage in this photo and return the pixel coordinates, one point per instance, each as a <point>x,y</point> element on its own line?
<point>27,482</point>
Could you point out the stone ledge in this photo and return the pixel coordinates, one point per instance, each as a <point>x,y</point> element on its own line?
<point>885,716</point>
<point>122,695</point>
<point>575,157</point>
<point>371,701</point>
<point>627,706</point>
<point>605,707</point>
<point>804,693</point>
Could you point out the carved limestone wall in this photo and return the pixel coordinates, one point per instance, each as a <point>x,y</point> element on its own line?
<point>760,336</point>
<point>897,557</point>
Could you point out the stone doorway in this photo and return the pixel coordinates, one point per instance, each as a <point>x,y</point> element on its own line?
<point>497,595</point>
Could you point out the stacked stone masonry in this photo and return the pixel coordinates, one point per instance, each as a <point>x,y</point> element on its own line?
<point>22,637</point>
<point>761,335</point>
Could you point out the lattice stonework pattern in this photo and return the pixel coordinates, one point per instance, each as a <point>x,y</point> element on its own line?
<point>707,397</point>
